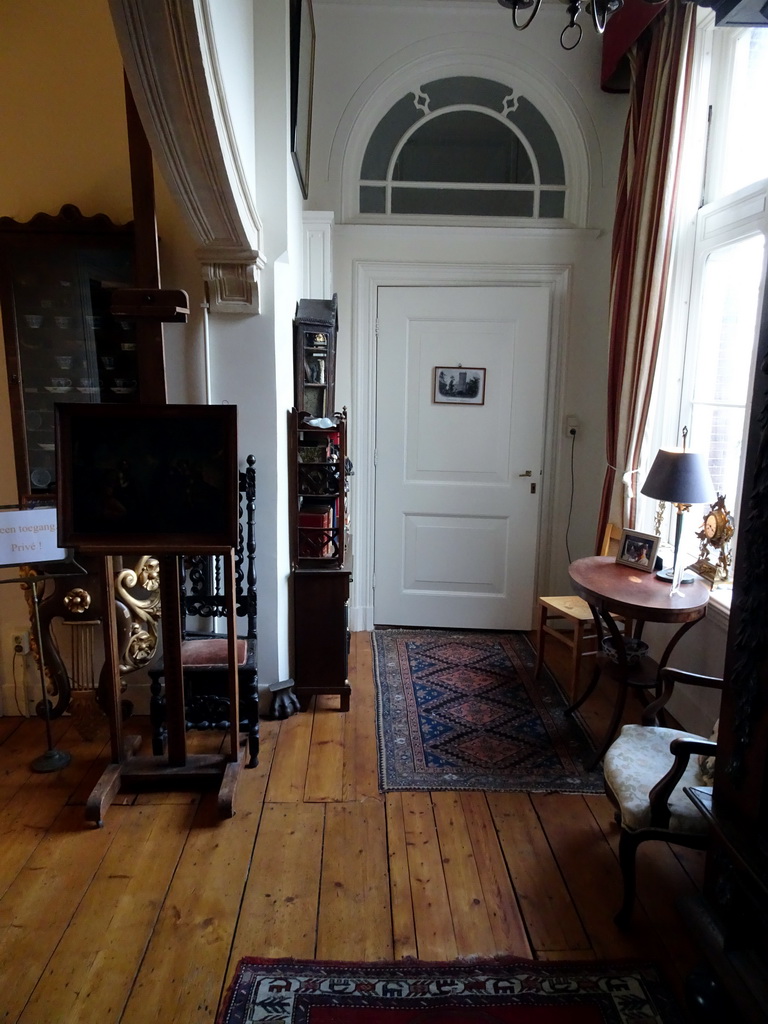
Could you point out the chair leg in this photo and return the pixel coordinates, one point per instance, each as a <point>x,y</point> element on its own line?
<point>577,652</point>
<point>251,707</point>
<point>157,717</point>
<point>628,843</point>
<point>249,713</point>
<point>540,641</point>
<point>253,746</point>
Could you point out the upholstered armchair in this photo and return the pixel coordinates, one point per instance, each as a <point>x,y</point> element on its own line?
<point>646,770</point>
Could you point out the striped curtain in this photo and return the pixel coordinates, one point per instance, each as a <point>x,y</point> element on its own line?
<point>661,68</point>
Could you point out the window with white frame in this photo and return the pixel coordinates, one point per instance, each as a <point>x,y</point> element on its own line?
<point>463,146</point>
<point>710,325</point>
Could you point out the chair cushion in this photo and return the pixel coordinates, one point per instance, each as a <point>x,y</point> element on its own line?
<point>637,759</point>
<point>210,653</point>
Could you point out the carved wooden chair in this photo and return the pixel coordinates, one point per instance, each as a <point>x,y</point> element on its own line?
<point>645,771</point>
<point>203,649</point>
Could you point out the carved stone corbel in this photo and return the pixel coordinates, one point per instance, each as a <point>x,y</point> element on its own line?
<point>171,59</point>
<point>233,286</point>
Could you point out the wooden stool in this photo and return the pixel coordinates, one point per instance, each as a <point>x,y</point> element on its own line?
<point>579,639</point>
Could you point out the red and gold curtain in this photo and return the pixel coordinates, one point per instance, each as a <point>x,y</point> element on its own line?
<point>660,64</point>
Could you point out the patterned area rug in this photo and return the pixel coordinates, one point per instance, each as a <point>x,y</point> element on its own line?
<point>463,711</point>
<point>470,992</point>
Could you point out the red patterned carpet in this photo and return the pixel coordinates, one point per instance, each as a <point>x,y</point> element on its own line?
<point>471,992</point>
<point>461,710</point>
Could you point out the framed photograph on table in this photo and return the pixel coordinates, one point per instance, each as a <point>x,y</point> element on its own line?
<point>302,76</point>
<point>638,550</point>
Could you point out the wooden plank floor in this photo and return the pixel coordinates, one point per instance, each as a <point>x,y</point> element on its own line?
<point>146,918</point>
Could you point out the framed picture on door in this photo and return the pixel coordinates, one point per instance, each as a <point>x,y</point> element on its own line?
<point>459,385</point>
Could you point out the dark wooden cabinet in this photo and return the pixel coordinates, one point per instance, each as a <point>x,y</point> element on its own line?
<point>62,344</point>
<point>319,474</point>
<point>314,338</point>
<point>320,602</point>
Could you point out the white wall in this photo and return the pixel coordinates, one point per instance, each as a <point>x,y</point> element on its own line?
<point>367,50</point>
<point>701,650</point>
<point>251,356</point>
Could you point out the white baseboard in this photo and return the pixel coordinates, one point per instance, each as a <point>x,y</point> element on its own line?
<point>361,618</point>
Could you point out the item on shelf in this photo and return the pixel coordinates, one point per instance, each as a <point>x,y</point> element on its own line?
<point>634,649</point>
<point>313,453</point>
<point>315,526</point>
<point>318,478</point>
<point>314,369</point>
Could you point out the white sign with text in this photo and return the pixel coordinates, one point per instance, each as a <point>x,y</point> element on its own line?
<point>29,535</point>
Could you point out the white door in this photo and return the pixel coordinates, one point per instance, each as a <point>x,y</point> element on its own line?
<point>458,484</point>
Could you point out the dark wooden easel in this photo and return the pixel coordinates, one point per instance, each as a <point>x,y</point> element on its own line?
<point>151,307</point>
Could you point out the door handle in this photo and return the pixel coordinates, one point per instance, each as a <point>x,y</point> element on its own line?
<point>526,473</point>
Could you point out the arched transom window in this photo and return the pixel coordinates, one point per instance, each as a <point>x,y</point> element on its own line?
<point>465,147</point>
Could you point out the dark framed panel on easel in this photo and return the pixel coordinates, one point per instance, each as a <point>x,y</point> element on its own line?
<point>159,478</point>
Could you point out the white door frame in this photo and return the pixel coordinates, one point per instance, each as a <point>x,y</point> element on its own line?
<point>368,276</point>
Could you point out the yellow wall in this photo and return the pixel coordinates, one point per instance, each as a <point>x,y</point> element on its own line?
<point>62,118</point>
<point>62,126</point>
<point>62,122</point>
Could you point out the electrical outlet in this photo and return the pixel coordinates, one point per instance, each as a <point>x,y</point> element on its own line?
<point>572,426</point>
<point>20,642</point>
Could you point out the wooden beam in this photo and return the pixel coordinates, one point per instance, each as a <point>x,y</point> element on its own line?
<point>149,332</point>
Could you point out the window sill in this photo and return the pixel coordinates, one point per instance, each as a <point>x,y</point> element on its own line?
<point>719,608</point>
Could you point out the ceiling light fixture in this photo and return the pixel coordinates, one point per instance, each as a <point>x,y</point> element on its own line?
<point>524,11</point>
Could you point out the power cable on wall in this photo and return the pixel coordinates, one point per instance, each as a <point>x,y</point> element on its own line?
<point>572,433</point>
<point>19,683</point>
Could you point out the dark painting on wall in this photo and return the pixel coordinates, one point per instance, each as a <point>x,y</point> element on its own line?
<point>302,75</point>
<point>159,479</point>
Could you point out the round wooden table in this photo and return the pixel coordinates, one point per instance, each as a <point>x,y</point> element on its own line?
<point>610,589</point>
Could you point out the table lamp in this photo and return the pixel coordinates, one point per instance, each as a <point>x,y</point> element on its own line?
<point>682,478</point>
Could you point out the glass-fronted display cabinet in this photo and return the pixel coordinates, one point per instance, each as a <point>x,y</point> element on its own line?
<point>314,333</point>
<point>62,344</point>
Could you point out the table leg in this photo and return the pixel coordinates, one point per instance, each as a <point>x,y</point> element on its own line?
<point>618,711</point>
<point>588,691</point>
<point>590,688</point>
<point>540,640</point>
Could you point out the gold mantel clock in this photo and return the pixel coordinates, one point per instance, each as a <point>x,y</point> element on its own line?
<point>714,537</point>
